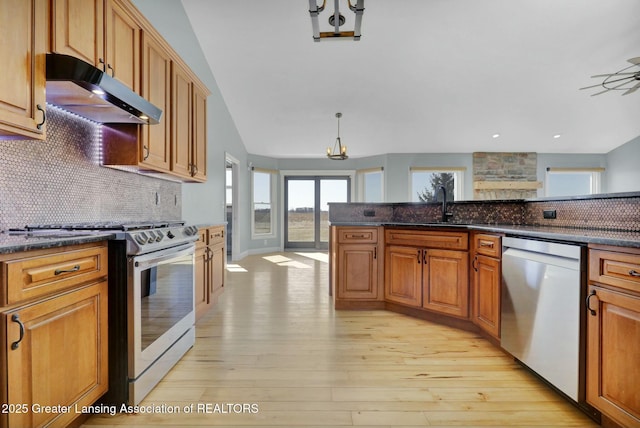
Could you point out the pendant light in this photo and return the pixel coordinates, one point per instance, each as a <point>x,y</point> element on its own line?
<point>339,151</point>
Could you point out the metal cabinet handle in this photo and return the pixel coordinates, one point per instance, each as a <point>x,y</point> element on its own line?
<point>44,116</point>
<point>76,268</point>
<point>588,302</point>
<point>634,273</point>
<point>16,319</point>
<point>146,152</point>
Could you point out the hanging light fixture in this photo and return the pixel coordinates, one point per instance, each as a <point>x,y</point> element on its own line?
<point>336,20</point>
<point>339,151</point>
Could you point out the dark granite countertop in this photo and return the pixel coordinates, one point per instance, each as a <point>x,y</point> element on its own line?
<point>16,242</point>
<point>566,234</point>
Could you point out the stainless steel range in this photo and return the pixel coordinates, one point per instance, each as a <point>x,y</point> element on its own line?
<point>151,300</point>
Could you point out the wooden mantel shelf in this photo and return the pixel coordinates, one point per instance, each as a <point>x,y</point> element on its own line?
<point>500,185</point>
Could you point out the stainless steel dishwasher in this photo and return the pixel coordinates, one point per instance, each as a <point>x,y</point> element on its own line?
<point>541,309</point>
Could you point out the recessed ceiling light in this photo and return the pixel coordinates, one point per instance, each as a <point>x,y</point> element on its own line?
<point>495,135</point>
<point>556,136</point>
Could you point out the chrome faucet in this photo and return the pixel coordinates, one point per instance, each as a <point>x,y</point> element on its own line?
<point>445,214</point>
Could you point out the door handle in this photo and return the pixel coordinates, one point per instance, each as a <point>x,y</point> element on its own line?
<point>16,344</point>
<point>588,302</point>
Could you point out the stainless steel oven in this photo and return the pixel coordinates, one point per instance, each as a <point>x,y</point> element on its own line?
<point>151,300</point>
<point>161,312</point>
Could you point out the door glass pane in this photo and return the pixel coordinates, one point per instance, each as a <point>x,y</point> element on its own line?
<point>330,191</point>
<point>300,207</point>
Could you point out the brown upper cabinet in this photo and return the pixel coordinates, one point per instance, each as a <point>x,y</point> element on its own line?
<point>113,36</point>
<point>22,52</point>
<point>189,119</point>
<point>104,33</point>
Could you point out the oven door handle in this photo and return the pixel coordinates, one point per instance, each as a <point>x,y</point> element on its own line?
<point>158,257</point>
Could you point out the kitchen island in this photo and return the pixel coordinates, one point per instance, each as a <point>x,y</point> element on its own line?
<point>402,257</point>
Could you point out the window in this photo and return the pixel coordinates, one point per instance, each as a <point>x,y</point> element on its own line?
<point>572,181</point>
<point>370,185</point>
<point>263,185</point>
<point>426,181</point>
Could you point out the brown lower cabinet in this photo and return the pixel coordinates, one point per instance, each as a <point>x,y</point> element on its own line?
<point>432,279</point>
<point>210,266</point>
<point>54,334</point>
<point>613,333</point>
<point>486,280</point>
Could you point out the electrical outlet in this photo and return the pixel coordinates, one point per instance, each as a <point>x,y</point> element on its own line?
<point>550,214</point>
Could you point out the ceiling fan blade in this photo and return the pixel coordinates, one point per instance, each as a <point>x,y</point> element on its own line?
<point>592,86</point>
<point>631,90</point>
<point>613,74</point>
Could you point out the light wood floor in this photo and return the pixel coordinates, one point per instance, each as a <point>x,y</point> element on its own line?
<point>275,341</point>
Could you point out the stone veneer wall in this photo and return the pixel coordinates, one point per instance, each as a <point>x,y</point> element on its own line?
<point>61,180</point>
<point>504,167</point>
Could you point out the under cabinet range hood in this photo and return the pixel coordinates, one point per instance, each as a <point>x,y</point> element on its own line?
<point>87,91</point>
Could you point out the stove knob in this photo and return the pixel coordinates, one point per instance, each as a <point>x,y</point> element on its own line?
<point>141,238</point>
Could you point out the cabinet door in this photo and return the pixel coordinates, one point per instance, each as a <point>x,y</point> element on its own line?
<point>199,129</point>
<point>181,120</point>
<point>486,294</point>
<point>122,45</point>
<point>22,52</point>
<point>62,357</point>
<point>613,352</point>
<point>77,29</point>
<point>357,271</point>
<point>403,275</point>
<point>446,283</point>
<point>201,282</point>
<point>217,270</point>
<point>155,145</point>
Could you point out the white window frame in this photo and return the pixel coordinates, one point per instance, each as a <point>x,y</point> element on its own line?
<point>596,177</point>
<point>458,172</point>
<point>272,203</point>
<point>362,174</point>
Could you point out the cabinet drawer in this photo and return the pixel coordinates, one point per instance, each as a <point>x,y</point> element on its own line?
<point>33,277</point>
<point>488,245</point>
<point>361,235</point>
<point>616,269</point>
<point>428,238</point>
<point>215,235</point>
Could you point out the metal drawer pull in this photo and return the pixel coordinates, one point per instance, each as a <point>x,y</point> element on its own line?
<point>588,302</point>
<point>44,116</point>
<point>76,268</point>
<point>634,273</point>
<point>486,244</point>
<point>16,344</point>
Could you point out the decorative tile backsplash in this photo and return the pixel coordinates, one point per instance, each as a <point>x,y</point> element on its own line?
<point>61,180</point>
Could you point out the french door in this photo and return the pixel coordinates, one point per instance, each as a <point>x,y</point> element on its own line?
<point>306,216</point>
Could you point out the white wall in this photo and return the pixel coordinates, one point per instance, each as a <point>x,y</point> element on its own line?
<point>623,168</point>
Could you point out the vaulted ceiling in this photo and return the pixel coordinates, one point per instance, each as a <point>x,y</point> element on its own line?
<point>434,76</point>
